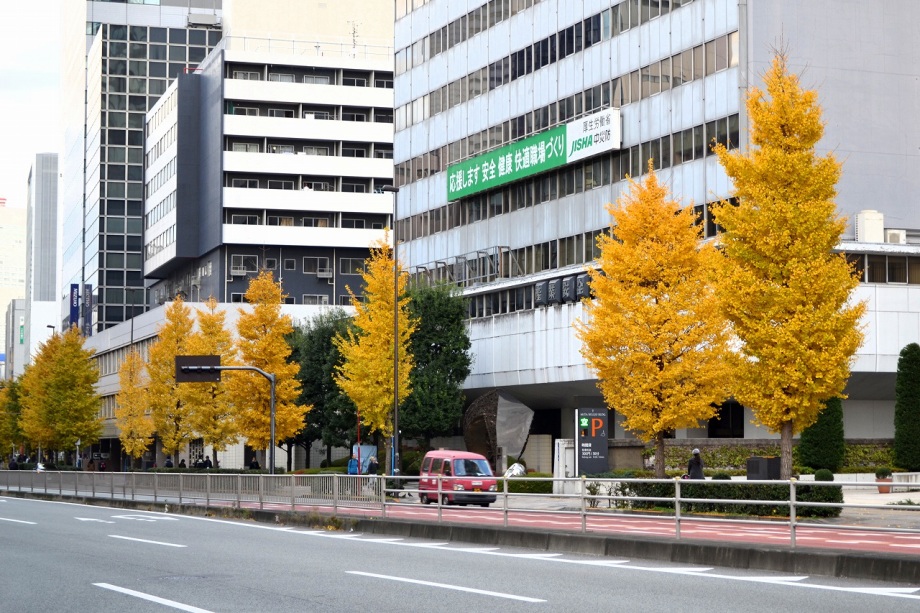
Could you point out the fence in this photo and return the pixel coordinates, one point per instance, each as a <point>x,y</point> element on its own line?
<point>385,496</point>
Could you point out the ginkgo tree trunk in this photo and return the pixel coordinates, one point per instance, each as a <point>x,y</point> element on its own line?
<point>653,333</point>
<point>367,374</point>
<point>786,292</point>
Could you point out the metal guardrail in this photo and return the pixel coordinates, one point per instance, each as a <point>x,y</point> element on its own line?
<point>377,494</point>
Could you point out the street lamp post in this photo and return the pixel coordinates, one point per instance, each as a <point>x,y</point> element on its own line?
<point>395,190</point>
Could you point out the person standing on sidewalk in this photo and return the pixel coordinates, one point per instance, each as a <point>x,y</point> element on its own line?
<point>695,466</point>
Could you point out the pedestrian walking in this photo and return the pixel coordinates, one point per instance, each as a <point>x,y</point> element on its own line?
<point>695,466</point>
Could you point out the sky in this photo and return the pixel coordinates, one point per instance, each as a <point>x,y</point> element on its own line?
<point>30,121</point>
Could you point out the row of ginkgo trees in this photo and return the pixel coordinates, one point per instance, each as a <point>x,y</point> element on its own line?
<point>763,315</point>
<point>150,400</point>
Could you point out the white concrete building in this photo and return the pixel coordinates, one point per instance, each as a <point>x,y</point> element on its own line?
<point>479,81</point>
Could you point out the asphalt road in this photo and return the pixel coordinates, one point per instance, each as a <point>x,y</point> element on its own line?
<point>71,557</point>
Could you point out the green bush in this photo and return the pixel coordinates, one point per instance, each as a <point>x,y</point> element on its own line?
<point>907,409</point>
<point>821,445</point>
<point>411,460</point>
<point>882,472</point>
<point>528,484</point>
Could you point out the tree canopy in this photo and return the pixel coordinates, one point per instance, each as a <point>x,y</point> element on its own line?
<point>367,374</point>
<point>652,331</point>
<point>261,343</point>
<point>907,409</point>
<point>135,426</point>
<point>60,405</point>
<point>782,286</point>
<point>440,346</point>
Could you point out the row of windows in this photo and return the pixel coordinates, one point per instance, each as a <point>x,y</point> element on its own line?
<point>160,243</point>
<point>241,264</point>
<point>140,68</point>
<point>176,36</point>
<point>141,52</point>
<point>134,85</point>
<point>310,76</point>
<point>159,148</point>
<point>166,111</point>
<point>313,220</point>
<point>695,63</point>
<point>115,119</point>
<point>116,189</point>
<point>692,64</point>
<point>307,299</point>
<point>324,113</point>
<point>321,148</point>
<point>351,185</point>
<point>160,178</point>
<point>886,268</point>
<point>123,261</point>
<point>120,172</point>
<point>160,210</point>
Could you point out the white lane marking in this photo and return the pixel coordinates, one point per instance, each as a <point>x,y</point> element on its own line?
<point>128,538</point>
<point>101,521</point>
<point>537,556</point>
<point>446,586</point>
<point>146,517</point>
<point>905,545</point>
<point>151,598</point>
<point>18,521</point>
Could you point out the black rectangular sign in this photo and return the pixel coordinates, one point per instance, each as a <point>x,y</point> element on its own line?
<point>591,438</point>
<point>197,369</point>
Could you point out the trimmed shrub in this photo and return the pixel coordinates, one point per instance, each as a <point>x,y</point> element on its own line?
<point>821,445</point>
<point>907,409</point>
<point>528,485</point>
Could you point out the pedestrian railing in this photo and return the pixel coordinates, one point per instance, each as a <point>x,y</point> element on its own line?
<point>586,502</point>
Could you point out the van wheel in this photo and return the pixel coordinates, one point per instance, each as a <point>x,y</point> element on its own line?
<point>484,505</point>
<point>445,500</point>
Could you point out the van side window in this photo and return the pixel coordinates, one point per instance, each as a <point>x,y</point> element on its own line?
<point>436,466</point>
<point>447,471</point>
<point>426,465</point>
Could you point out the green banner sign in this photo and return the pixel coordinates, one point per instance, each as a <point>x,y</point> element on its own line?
<point>577,140</point>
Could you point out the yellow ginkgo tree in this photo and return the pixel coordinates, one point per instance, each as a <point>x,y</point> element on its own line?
<point>261,343</point>
<point>169,410</point>
<point>132,416</point>
<point>366,374</point>
<point>653,333</point>
<point>786,292</point>
<point>211,409</point>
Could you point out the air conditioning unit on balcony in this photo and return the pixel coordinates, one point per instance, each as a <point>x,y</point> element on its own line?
<point>896,237</point>
<point>324,273</point>
<point>237,271</point>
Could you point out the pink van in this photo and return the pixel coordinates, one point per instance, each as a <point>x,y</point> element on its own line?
<point>466,478</point>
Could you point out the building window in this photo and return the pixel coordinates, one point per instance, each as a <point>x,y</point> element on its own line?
<point>245,183</point>
<point>351,266</point>
<point>281,221</point>
<point>315,265</point>
<point>316,222</point>
<point>281,113</point>
<point>235,297</point>
<point>247,75</point>
<point>316,79</point>
<point>354,188</point>
<point>242,264</point>
<point>281,77</point>
<point>246,220</point>
<point>246,147</point>
<point>274,184</point>
<point>315,299</point>
<point>271,264</point>
<point>315,150</point>
<point>281,149</point>
<point>351,222</point>
<point>244,110</point>
<point>290,264</point>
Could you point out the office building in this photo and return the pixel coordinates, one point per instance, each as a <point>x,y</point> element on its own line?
<point>41,305</point>
<point>12,264</point>
<point>486,201</point>
<point>118,59</point>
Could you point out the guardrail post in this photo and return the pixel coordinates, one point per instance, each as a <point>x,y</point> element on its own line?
<point>335,493</point>
<point>505,500</point>
<point>439,499</point>
<point>261,492</point>
<point>60,484</point>
<point>156,485</point>
<point>112,486</point>
<point>180,488</point>
<point>381,484</point>
<point>133,485</point>
<point>677,508</point>
<point>293,480</point>
<point>207,490</point>
<point>94,483</point>
<point>792,498</point>
<point>584,503</point>
<point>239,491</point>
<point>45,477</point>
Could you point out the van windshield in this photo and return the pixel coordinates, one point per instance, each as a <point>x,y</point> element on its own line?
<point>472,468</point>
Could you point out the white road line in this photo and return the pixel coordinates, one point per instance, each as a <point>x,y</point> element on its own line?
<point>128,538</point>
<point>101,521</point>
<point>18,521</point>
<point>151,598</point>
<point>446,586</point>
